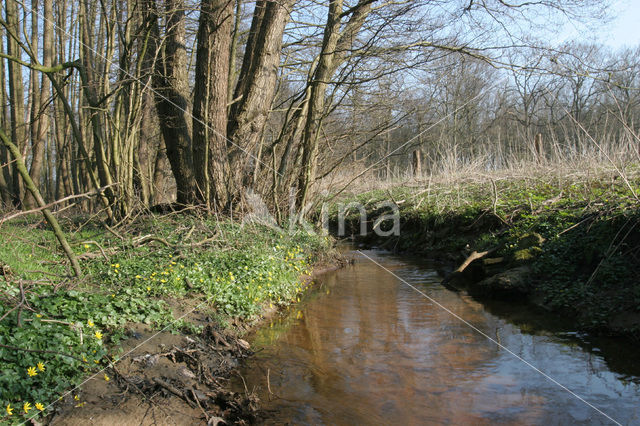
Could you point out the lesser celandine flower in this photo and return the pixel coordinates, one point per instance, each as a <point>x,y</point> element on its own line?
<point>41,366</point>
<point>106,378</point>
<point>39,406</point>
<point>90,323</point>
<point>98,335</point>
<point>26,407</point>
<point>9,410</point>
<point>31,371</point>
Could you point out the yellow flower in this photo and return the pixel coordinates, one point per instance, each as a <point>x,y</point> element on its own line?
<point>138,277</point>
<point>38,316</point>
<point>117,265</point>
<point>90,323</point>
<point>76,397</point>
<point>41,366</point>
<point>84,358</point>
<point>148,288</point>
<point>86,246</point>
<point>98,335</point>
<point>39,406</point>
<point>31,371</point>
<point>106,378</point>
<point>26,407</point>
<point>9,410</point>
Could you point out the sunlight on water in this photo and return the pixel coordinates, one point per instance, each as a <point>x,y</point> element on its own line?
<point>366,348</point>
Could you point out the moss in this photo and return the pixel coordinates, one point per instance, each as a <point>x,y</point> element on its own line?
<point>528,254</point>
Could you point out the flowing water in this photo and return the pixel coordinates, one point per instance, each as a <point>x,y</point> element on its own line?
<point>366,348</point>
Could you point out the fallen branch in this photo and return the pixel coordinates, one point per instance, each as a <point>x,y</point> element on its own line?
<point>99,247</point>
<point>138,241</point>
<point>174,391</point>
<point>470,259</point>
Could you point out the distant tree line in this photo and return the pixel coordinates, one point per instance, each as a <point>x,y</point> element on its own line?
<point>195,102</point>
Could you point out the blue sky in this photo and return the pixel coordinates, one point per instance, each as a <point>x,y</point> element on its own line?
<point>622,31</point>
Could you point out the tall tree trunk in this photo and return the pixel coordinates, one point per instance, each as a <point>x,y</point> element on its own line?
<point>16,96</point>
<point>256,86</point>
<point>40,116</point>
<point>172,91</point>
<point>335,46</point>
<point>5,170</point>
<point>90,89</point>
<point>210,151</point>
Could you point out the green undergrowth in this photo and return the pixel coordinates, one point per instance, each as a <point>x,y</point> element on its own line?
<point>586,264</point>
<point>134,275</point>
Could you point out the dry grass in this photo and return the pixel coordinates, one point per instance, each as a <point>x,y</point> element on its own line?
<point>451,174</point>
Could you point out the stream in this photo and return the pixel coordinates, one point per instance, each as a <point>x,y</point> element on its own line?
<point>365,348</point>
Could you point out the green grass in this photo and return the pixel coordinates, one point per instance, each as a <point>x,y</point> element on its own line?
<point>236,270</point>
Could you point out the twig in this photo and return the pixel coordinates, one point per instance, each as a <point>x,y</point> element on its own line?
<point>53,203</point>
<point>197,400</point>
<point>575,225</point>
<point>99,247</point>
<point>149,238</point>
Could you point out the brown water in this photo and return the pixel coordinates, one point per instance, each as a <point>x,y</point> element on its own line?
<point>365,348</point>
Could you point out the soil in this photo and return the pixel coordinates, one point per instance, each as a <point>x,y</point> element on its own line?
<point>164,378</point>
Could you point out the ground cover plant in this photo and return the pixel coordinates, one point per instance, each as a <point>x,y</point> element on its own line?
<point>55,330</point>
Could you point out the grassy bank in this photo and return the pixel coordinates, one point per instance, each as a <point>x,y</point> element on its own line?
<point>56,330</point>
<point>569,243</point>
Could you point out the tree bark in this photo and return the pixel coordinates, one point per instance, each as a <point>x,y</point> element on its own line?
<point>171,94</point>
<point>40,116</point>
<point>90,89</point>
<point>16,96</point>
<point>335,46</point>
<point>5,169</point>
<point>210,151</point>
<point>256,86</point>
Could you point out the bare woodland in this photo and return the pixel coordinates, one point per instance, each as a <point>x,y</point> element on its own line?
<point>147,102</point>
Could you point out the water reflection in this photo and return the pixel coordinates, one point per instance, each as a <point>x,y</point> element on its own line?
<point>368,349</point>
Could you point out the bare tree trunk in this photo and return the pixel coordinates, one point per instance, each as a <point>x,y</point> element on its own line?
<point>210,152</point>
<point>16,96</point>
<point>335,46</point>
<point>40,116</point>
<point>416,162</point>
<point>90,88</point>
<point>257,82</point>
<point>172,92</point>
<point>5,169</point>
